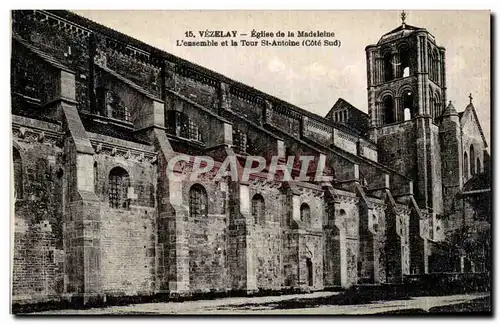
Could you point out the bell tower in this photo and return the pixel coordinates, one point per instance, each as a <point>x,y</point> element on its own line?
<point>406,76</point>
<point>406,97</point>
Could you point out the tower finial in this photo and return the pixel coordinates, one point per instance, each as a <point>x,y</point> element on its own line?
<point>470,98</point>
<point>403,18</point>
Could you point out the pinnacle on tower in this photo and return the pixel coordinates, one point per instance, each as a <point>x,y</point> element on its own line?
<point>403,18</point>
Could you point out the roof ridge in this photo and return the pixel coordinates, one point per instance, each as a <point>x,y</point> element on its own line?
<point>124,38</point>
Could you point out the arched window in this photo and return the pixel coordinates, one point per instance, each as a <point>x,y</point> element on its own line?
<point>429,61</point>
<point>432,104</point>
<point>408,105</point>
<point>388,110</point>
<point>407,114</point>
<point>404,55</point>
<point>119,182</point>
<point>466,166</point>
<point>258,209</point>
<point>406,72</point>
<point>18,174</point>
<point>388,68</point>
<point>305,213</point>
<point>434,65</point>
<point>472,160</point>
<point>437,105</point>
<point>198,202</point>
<point>438,68</point>
<point>478,165</point>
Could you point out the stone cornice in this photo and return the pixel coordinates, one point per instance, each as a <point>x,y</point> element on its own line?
<point>36,134</point>
<point>343,198</point>
<point>134,152</point>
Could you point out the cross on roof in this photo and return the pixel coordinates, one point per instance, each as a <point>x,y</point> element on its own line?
<point>470,97</point>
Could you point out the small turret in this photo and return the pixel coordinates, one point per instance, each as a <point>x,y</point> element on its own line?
<point>450,110</point>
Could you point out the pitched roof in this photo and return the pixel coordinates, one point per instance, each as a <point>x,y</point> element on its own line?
<point>463,117</point>
<point>400,28</point>
<point>341,103</point>
<point>401,31</point>
<point>42,55</point>
<point>478,182</point>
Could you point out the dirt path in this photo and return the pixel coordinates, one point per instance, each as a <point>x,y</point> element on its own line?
<point>271,305</point>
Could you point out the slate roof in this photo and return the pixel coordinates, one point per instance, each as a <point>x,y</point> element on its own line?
<point>401,31</point>
<point>478,182</point>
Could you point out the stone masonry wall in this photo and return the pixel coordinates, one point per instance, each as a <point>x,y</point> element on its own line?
<point>128,237</point>
<point>397,148</point>
<point>342,240</point>
<point>266,238</point>
<point>203,93</point>
<point>38,255</point>
<point>303,244</point>
<point>128,250</point>
<point>249,107</point>
<point>207,240</point>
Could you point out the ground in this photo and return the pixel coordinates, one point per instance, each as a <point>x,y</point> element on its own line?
<point>313,303</point>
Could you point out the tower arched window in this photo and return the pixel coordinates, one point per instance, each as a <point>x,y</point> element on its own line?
<point>404,55</point>
<point>407,114</point>
<point>437,105</point>
<point>472,157</point>
<point>429,61</point>
<point>119,182</point>
<point>434,61</point>
<point>406,72</point>
<point>432,103</point>
<point>258,209</point>
<point>466,166</point>
<point>18,174</point>
<point>438,69</point>
<point>305,213</point>
<point>388,68</point>
<point>478,165</point>
<point>198,202</point>
<point>408,99</point>
<point>388,103</point>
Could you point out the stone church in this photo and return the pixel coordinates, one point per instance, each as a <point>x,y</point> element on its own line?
<point>97,116</point>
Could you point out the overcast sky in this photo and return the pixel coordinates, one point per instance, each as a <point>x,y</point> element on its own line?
<point>313,78</point>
